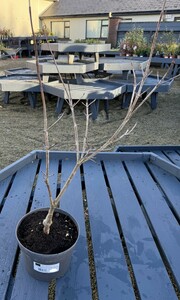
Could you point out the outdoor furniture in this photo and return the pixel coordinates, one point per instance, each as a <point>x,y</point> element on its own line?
<point>127,206</point>
<point>169,152</point>
<point>48,67</point>
<point>150,83</point>
<point>27,84</point>
<point>117,65</point>
<point>80,48</point>
<point>173,64</point>
<point>26,43</point>
<point>120,82</point>
<point>10,52</point>
<point>93,90</point>
<point>20,72</point>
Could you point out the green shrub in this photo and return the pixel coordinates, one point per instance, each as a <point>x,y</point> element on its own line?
<point>134,42</point>
<point>88,41</point>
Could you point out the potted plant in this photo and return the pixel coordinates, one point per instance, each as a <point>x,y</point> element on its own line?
<point>133,42</point>
<point>168,44</point>
<point>159,50</point>
<point>177,51</point>
<point>5,33</point>
<point>172,50</point>
<point>2,48</point>
<point>47,236</point>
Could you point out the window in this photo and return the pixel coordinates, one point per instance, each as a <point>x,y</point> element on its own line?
<point>97,29</point>
<point>61,29</point>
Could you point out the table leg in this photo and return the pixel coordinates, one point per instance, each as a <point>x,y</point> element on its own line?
<point>94,108</point>
<point>154,100</point>
<point>126,100</point>
<point>78,78</point>
<point>96,56</point>
<point>106,108</point>
<point>32,97</point>
<point>125,75</point>
<point>6,97</point>
<point>59,105</point>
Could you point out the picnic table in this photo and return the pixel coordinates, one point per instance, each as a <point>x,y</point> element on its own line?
<point>47,67</point>
<point>27,84</point>
<point>173,64</point>
<point>80,48</point>
<point>127,206</point>
<point>93,91</point>
<point>121,79</point>
<point>118,65</point>
<point>152,83</point>
<point>26,43</point>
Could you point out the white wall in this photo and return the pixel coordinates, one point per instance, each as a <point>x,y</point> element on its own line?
<point>14,15</point>
<point>78,25</point>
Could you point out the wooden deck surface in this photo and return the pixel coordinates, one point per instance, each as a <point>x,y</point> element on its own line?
<point>127,206</point>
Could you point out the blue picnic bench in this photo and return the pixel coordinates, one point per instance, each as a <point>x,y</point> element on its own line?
<point>173,64</point>
<point>150,83</point>
<point>27,84</point>
<point>127,206</point>
<point>93,91</point>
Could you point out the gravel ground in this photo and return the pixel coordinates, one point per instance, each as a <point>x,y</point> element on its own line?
<point>22,127</point>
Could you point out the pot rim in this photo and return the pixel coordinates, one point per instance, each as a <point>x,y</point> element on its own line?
<point>40,209</point>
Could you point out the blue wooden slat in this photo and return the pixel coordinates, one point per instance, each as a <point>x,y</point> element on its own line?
<point>28,288</point>
<point>147,265</point>
<point>15,207</point>
<point>76,283</point>
<point>168,152</point>
<point>173,156</point>
<point>109,260</point>
<point>40,200</point>
<point>170,186</point>
<point>162,219</point>
<point>41,197</point>
<point>112,275</point>
<point>169,155</point>
<point>17,165</point>
<point>4,184</point>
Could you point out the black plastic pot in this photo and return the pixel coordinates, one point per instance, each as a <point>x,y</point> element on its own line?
<point>45,266</point>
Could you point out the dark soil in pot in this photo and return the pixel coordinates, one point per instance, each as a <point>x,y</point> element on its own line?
<point>63,233</point>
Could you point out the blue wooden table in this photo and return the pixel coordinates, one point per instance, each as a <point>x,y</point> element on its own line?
<point>173,64</point>
<point>168,152</point>
<point>151,84</point>
<point>127,206</point>
<point>26,84</point>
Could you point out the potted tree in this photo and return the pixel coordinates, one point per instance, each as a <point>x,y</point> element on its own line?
<point>47,236</point>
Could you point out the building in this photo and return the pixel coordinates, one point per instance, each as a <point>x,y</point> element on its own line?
<point>107,19</point>
<point>14,15</point>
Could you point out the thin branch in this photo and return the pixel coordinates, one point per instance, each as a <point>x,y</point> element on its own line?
<point>46,136</point>
<point>86,154</point>
<point>76,134</point>
<point>86,129</point>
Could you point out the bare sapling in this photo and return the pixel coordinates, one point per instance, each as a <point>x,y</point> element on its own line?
<point>83,153</point>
